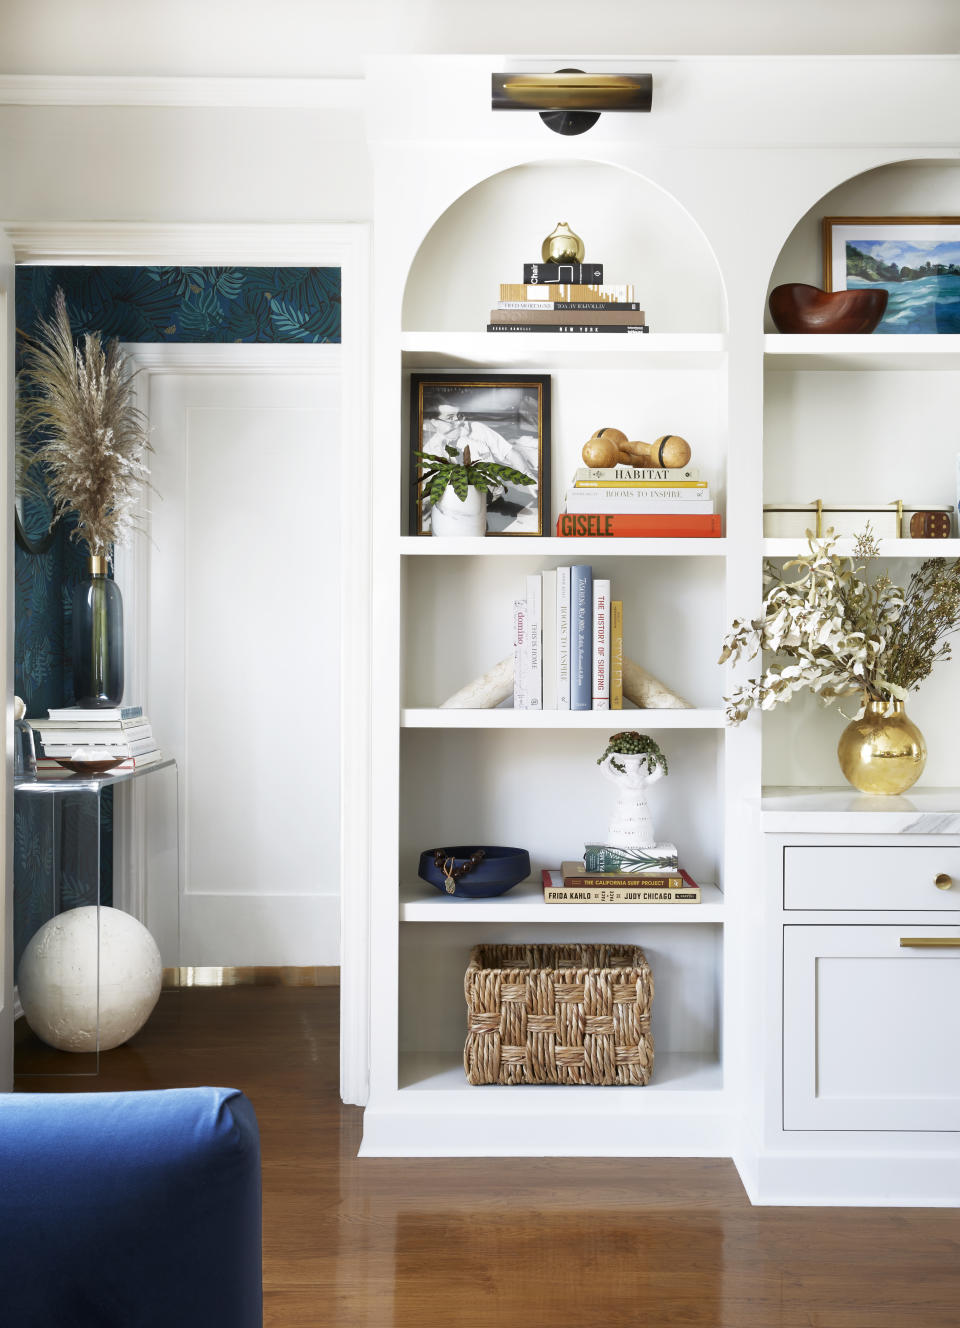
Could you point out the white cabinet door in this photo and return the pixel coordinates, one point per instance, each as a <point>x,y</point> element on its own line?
<point>870,1028</point>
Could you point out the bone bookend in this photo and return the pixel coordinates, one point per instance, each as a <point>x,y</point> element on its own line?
<point>639,686</point>
<point>485,692</point>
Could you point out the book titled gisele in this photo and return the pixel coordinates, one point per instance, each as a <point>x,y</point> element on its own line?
<point>638,525</point>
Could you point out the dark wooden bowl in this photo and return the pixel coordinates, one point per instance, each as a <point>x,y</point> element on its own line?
<point>796,307</point>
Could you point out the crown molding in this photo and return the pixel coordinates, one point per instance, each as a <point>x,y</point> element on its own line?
<point>316,94</point>
<point>197,357</point>
<point>245,244</point>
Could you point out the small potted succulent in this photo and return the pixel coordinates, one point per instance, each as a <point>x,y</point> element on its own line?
<point>457,489</point>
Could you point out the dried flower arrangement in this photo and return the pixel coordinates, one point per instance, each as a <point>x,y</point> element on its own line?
<point>80,403</point>
<point>844,632</point>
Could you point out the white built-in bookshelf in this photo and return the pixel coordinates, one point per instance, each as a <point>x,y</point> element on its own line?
<point>703,235</point>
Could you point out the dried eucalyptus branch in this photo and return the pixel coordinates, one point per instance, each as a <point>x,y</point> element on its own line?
<point>832,624</point>
<point>93,440</point>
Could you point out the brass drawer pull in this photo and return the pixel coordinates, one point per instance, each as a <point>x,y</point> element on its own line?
<point>942,881</point>
<point>930,942</point>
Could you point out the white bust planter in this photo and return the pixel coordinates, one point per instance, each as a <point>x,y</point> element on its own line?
<point>631,825</point>
<point>455,516</point>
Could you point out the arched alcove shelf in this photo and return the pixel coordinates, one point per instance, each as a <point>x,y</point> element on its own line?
<point>863,421</point>
<point>640,234</point>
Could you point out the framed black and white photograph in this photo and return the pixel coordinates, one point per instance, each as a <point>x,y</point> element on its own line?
<point>502,418</point>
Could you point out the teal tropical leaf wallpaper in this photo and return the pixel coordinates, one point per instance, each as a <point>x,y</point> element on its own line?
<point>150,304</point>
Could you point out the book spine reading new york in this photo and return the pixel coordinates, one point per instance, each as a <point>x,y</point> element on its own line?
<point>629,329</point>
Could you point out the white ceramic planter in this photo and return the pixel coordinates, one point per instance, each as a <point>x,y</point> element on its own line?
<point>450,516</point>
<point>631,825</point>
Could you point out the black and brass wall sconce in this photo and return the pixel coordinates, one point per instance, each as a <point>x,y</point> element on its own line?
<point>569,100</point>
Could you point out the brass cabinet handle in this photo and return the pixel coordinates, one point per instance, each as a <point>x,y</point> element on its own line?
<point>930,942</point>
<point>942,881</point>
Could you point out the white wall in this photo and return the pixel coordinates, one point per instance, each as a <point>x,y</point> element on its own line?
<point>317,38</point>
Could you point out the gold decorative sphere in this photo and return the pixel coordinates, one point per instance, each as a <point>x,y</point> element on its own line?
<point>562,246</point>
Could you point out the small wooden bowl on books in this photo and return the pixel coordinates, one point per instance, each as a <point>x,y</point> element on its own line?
<point>499,870</point>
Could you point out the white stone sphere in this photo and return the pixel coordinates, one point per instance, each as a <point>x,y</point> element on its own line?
<point>57,979</point>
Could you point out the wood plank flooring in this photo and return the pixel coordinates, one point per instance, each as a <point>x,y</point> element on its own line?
<point>388,1243</point>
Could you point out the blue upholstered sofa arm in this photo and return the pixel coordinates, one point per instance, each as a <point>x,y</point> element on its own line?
<point>130,1210</point>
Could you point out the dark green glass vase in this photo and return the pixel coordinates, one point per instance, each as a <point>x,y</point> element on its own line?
<point>97,638</point>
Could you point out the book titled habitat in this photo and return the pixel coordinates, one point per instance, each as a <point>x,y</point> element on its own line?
<point>916,260</point>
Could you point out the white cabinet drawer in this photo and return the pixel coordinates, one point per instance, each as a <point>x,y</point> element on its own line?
<point>871,1028</point>
<point>882,877</point>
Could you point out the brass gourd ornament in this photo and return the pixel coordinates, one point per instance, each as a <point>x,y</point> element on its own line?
<point>562,246</point>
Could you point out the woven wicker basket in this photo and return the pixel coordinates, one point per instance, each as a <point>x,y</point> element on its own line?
<point>558,1014</point>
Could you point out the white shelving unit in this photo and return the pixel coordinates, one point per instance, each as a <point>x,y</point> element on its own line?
<point>770,418</point>
<point>507,718</point>
<point>524,903</point>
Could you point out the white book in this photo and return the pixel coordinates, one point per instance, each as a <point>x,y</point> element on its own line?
<point>598,500</point>
<point>601,644</point>
<point>693,492</point>
<point>534,653</point>
<point>549,640</point>
<point>519,645</point>
<point>563,638</point>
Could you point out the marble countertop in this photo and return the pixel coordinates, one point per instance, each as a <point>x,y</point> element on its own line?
<point>844,811</point>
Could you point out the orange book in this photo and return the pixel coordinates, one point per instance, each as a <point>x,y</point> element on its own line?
<point>638,525</point>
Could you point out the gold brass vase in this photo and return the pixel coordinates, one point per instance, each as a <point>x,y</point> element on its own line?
<point>883,751</point>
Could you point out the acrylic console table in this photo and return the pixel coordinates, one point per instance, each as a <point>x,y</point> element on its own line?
<point>61,828</point>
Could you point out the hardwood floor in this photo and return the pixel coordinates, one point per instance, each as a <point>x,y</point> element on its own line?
<point>514,1244</point>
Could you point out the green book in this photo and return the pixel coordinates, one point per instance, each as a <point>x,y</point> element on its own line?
<point>630,861</point>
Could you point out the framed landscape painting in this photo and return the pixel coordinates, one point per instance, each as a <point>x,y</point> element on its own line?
<point>915,259</point>
<point>503,418</point>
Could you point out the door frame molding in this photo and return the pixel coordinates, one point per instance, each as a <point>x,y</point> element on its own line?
<point>347,246</point>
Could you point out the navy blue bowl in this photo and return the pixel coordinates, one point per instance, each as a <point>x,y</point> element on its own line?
<point>500,870</point>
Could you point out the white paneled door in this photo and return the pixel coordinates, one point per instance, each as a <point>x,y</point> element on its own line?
<point>242,643</point>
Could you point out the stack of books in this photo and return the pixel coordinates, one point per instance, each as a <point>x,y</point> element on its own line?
<point>637,501</point>
<point>123,732</point>
<point>566,297</point>
<point>621,876</point>
<point>568,643</point>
